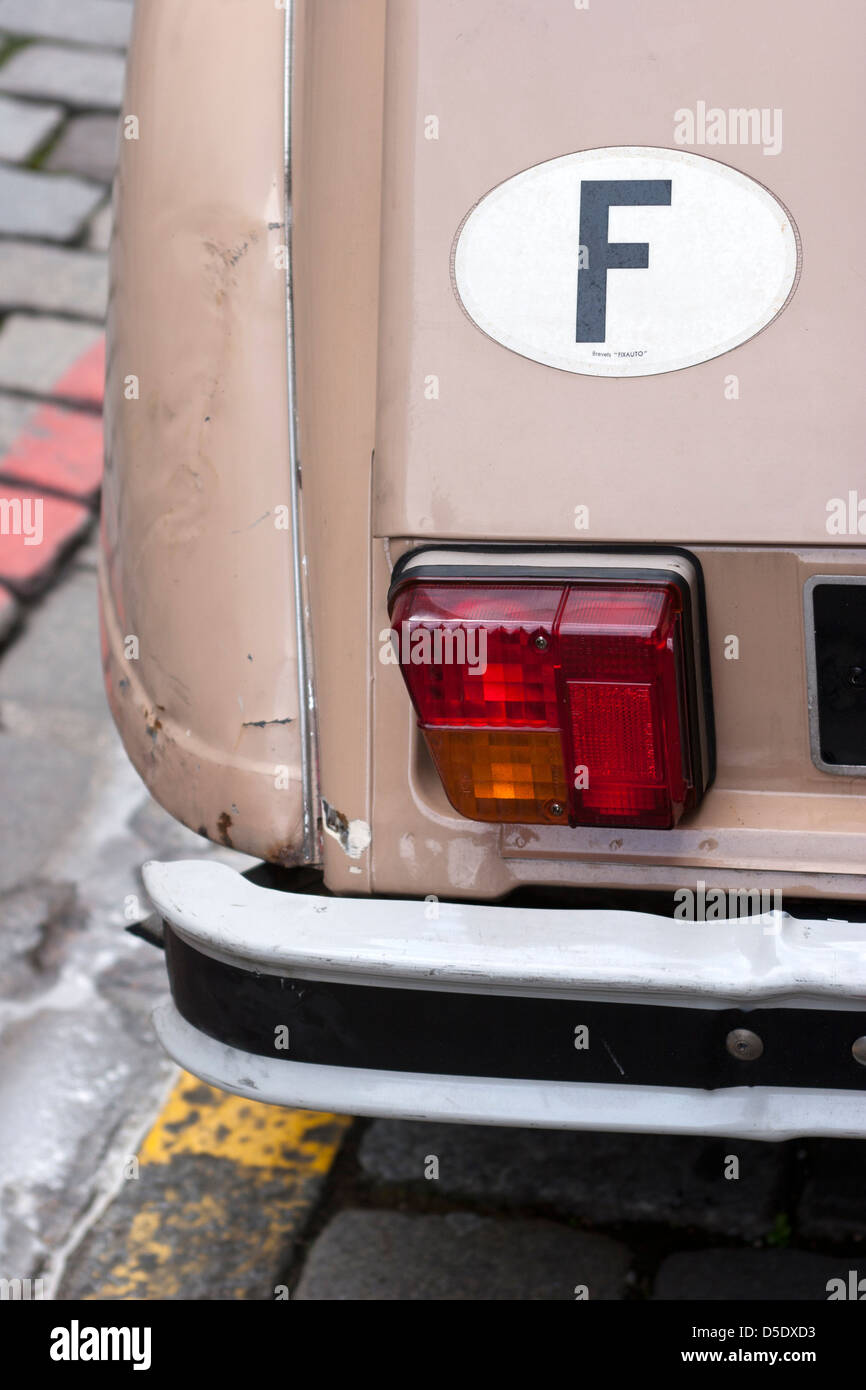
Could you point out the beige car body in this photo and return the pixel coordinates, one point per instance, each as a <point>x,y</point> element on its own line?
<point>223,584</point>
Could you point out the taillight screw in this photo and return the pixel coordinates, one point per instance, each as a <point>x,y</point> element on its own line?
<point>541,642</point>
<point>556,807</point>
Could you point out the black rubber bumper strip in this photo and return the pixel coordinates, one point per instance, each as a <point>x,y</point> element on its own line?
<point>440,1032</point>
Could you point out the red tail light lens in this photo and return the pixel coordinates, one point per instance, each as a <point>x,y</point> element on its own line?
<point>621,653</point>
<point>554,702</point>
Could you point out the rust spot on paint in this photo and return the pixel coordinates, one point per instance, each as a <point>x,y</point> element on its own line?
<point>223,827</point>
<point>284,855</point>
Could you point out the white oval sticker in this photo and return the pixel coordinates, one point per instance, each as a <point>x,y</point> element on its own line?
<point>626,261</point>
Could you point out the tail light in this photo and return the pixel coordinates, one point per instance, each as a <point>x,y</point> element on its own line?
<point>557,697</point>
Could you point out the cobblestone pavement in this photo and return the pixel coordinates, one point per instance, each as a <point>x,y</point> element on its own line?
<point>61,82</point>
<point>433,1211</point>
<point>410,1211</point>
<point>80,1074</point>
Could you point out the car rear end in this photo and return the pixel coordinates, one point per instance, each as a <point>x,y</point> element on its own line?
<point>490,529</point>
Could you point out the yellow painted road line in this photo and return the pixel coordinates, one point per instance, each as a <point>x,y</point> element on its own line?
<point>199,1119</point>
<point>221,1189</point>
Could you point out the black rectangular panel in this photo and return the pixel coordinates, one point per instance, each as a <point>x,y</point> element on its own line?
<point>438,1032</point>
<point>839,611</point>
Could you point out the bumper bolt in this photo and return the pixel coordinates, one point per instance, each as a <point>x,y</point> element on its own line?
<point>745,1045</point>
<point>858,1051</point>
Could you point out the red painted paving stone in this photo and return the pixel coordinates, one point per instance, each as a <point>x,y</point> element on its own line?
<point>85,380</point>
<point>8,612</point>
<point>35,532</point>
<point>60,450</point>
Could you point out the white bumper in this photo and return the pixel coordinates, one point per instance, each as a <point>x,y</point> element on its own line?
<point>604,956</point>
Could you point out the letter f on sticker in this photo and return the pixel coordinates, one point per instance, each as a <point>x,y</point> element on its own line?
<point>597,197</point>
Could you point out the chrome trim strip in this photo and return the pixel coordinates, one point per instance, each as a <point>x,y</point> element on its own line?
<point>311,848</point>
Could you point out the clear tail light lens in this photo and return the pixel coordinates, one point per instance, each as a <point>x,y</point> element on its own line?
<point>554,702</point>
